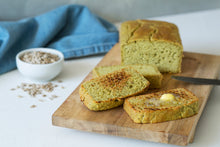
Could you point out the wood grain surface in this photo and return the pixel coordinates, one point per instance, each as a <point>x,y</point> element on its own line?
<point>73,114</point>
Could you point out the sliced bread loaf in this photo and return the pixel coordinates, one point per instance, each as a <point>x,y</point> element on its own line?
<point>150,72</point>
<point>151,42</point>
<point>162,106</point>
<point>106,92</point>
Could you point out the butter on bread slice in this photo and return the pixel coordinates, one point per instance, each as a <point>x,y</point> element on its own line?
<point>106,92</point>
<point>157,107</point>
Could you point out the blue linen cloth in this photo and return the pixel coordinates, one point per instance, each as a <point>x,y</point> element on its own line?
<point>71,29</point>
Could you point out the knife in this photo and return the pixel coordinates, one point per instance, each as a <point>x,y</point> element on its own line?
<point>197,80</point>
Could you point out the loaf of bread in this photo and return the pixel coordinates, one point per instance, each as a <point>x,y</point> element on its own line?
<point>150,72</point>
<point>151,42</point>
<point>106,92</point>
<point>162,106</point>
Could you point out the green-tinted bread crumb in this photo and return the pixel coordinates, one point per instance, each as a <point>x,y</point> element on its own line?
<point>151,42</point>
<point>106,91</point>
<point>149,108</point>
<point>150,72</point>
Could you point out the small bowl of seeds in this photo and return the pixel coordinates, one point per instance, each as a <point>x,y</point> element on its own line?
<point>40,64</point>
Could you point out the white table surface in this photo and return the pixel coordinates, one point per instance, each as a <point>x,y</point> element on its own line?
<point>22,126</point>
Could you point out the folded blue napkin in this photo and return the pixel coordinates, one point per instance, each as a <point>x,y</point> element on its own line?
<point>71,29</point>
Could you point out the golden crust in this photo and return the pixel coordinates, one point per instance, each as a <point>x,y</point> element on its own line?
<point>150,115</point>
<point>155,79</point>
<point>109,81</point>
<point>94,105</point>
<point>95,73</point>
<point>139,30</point>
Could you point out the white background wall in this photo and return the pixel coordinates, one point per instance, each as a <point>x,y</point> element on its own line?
<point>112,10</point>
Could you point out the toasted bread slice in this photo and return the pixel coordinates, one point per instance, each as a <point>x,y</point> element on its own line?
<point>150,108</point>
<point>108,91</point>
<point>150,72</point>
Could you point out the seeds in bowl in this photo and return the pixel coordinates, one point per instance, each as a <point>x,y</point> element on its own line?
<point>39,57</point>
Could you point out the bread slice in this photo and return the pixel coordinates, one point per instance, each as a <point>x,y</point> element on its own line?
<point>150,72</point>
<point>108,91</point>
<point>151,42</point>
<point>150,108</point>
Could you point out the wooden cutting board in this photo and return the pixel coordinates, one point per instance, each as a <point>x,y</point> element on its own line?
<point>73,114</point>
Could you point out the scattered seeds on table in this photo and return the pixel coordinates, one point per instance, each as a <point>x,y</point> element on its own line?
<point>20,96</point>
<point>36,90</point>
<point>41,100</point>
<point>54,96</point>
<point>33,106</point>
<point>59,81</point>
<point>44,95</point>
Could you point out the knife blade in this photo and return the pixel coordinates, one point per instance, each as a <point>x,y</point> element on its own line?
<point>201,81</point>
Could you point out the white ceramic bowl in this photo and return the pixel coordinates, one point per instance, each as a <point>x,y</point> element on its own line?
<point>40,72</point>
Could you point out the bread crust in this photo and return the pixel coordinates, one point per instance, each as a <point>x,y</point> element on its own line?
<point>154,79</point>
<point>150,115</point>
<point>139,30</point>
<point>94,105</point>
